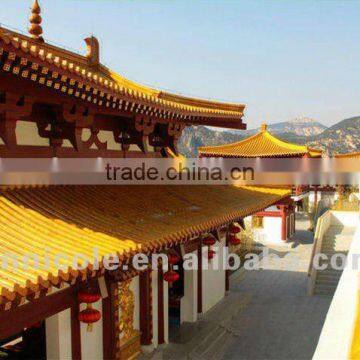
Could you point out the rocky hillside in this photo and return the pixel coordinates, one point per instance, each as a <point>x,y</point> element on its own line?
<point>301,126</point>
<point>196,136</point>
<point>340,138</point>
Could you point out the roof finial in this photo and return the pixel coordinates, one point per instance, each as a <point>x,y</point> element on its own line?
<point>263,127</point>
<point>93,51</point>
<point>35,28</point>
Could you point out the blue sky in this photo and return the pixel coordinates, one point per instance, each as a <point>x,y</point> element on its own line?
<point>283,59</point>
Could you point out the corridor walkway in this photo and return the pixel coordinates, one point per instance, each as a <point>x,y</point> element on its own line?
<point>267,314</point>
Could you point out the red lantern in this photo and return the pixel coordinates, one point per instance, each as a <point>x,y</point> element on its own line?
<point>209,241</point>
<point>211,254</point>
<point>87,298</point>
<point>173,258</point>
<point>171,276</point>
<point>234,229</point>
<point>89,316</point>
<point>233,240</point>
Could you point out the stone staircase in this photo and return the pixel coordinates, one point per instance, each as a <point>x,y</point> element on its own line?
<point>337,240</point>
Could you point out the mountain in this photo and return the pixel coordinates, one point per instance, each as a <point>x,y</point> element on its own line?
<point>301,126</point>
<point>339,138</point>
<point>196,136</point>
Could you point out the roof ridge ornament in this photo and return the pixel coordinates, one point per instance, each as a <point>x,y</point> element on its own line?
<point>35,19</point>
<point>93,51</point>
<point>263,127</point>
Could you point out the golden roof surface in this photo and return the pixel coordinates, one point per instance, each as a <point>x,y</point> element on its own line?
<point>262,144</point>
<point>348,155</point>
<point>117,220</point>
<point>109,80</point>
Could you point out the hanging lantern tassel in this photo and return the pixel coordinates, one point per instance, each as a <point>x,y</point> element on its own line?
<point>89,315</point>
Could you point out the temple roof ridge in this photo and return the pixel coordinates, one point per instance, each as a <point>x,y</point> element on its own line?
<point>101,74</point>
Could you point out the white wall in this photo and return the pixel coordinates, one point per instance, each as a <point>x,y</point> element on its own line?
<point>213,280</point>
<point>155,312</point>
<point>272,229</point>
<point>346,218</point>
<point>58,336</point>
<point>337,333</point>
<point>92,342</point>
<point>320,195</point>
<point>188,310</point>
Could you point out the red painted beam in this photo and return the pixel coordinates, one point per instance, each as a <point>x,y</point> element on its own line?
<point>269,213</point>
<point>14,321</point>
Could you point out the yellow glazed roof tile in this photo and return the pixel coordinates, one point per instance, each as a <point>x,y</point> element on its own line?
<point>77,220</point>
<point>348,155</point>
<point>104,77</point>
<point>262,144</point>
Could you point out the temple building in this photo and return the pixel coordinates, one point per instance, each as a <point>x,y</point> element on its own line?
<point>275,224</point>
<point>58,104</point>
<point>261,145</point>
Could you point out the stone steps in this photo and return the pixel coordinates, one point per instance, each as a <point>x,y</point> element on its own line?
<point>328,276</point>
<point>324,292</point>
<point>336,241</point>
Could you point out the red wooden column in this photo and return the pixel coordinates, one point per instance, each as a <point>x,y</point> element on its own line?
<point>227,271</point>
<point>110,316</point>
<point>146,322</point>
<point>283,222</point>
<point>199,284</point>
<point>75,332</point>
<point>161,330</point>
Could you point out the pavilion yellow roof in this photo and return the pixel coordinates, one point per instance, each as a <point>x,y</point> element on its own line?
<point>117,220</point>
<point>348,155</point>
<point>262,144</point>
<point>100,79</point>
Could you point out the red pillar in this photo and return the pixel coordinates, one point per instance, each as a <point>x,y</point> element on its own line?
<point>199,285</point>
<point>145,307</point>
<point>283,222</point>
<point>75,332</point>
<point>110,315</point>
<point>227,272</point>
<point>161,330</point>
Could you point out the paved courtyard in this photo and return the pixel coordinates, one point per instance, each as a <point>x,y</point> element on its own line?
<point>267,314</point>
